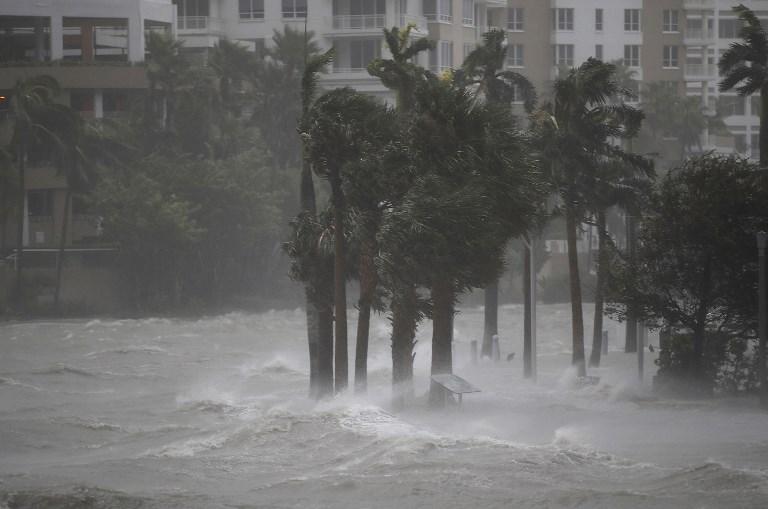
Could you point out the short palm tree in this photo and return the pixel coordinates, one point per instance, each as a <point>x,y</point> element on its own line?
<point>744,66</point>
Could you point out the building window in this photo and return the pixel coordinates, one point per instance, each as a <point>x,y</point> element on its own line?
<point>632,55</point>
<point>599,20</point>
<point>469,47</point>
<point>251,9</point>
<point>515,55</point>
<point>729,28</point>
<point>294,9</point>
<point>516,19</point>
<point>599,51</point>
<point>468,15</point>
<point>671,20</point>
<point>40,203</point>
<point>362,51</point>
<point>631,20</point>
<point>441,58</point>
<point>670,57</point>
<point>562,19</point>
<point>439,10</point>
<point>563,54</point>
<point>729,105</point>
<point>517,95</point>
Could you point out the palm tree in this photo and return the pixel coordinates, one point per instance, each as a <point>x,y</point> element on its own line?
<point>574,131</point>
<point>402,75</point>
<point>621,179</point>
<point>744,66</point>
<point>7,196</point>
<point>340,130</point>
<point>29,99</point>
<point>483,69</point>
<point>318,295</point>
<point>232,64</point>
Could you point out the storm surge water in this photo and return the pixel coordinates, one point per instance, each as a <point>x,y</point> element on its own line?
<point>213,413</point>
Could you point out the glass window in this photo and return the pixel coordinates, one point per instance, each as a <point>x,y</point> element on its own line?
<point>516,19</point>
<point>40,202</point>
<point>294,9</point>
<point>599,51</point>
<point>516,55</point>
<point>670,56</point>
<point>632,55</point>
<point>438,10</point>
<point>251,9</point>
<point>631,20</point>
<point>599,20</point>
<point>671,20</point>
<point>562,19</point>
<point>563,54</point>
<point>729,28</point>
<point>468,15</point>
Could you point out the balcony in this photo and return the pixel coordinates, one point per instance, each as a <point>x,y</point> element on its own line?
<point>419,23</point>
<point>700,71</point>
<point>439,18</point>
<point>699,4</point>
<point>698,35</point>
<point>359,22</point>
<point>198,25</point>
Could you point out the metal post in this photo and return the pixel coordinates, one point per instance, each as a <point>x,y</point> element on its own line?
<point>495,351</point>
<point>762,313</point>
<point>473,351</point>
<point>533,310</point>
<point>640,350</point>
<point>604,346</point>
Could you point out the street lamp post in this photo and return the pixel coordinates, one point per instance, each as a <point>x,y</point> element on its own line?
<point>762,313</point>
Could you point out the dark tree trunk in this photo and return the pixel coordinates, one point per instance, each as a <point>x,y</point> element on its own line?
<point>630,342</point>
<point>527,314</point>
<point>325,350</point>
<point>491,324</point>
<point>577,318</point>
<point>62,245</point>
<point>764,127</point>
<point>341,376</point>
<point>443,300</point>
<point>307,204</point>
<point>602,264</point>
<point>368,282</point>
<point>22,156</point>
<point>404,323</point>
<point>3,218</point>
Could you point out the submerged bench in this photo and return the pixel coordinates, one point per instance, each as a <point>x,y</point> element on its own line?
<point>455,385</point>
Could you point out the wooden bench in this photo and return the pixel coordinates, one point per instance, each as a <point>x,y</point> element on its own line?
<point>455,385</point>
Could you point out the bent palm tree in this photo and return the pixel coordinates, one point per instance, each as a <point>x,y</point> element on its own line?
<point>744,66</point>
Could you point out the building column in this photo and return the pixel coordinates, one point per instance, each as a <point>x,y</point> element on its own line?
<point>98,103</point>
<point>135,39</point>
<point>57,38</point>
<point>87,42</point>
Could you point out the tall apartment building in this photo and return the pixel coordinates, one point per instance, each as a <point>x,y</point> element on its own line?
<point>91,47</point>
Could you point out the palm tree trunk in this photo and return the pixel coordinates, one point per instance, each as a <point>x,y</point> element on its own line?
<point>62,244</point>
<point>443,300</point>
<point>404,323</point>
<point>307,204</point>
<point>527,315</point>
<point>630,341</point>
<point>325,347</point>
<point>341,375</point>
<point>602,264</point>
<point>764,127</point>
<point>577,318</point>
<point>491,323</point>
<point>22,155</point>
<point>3,219</point>
<point>368,282</point>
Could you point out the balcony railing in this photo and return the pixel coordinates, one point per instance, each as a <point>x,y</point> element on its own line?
<point>439,18</point>
<point>703,70</point>
<point>359,22</point>
<point>198,24</point>
<point>699,33</point>
<point>420,22</point>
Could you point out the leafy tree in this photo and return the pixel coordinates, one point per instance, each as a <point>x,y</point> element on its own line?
<point>695,270</point>
<point>573,132</point>
<point>166,69</point>
<point>744,66</point>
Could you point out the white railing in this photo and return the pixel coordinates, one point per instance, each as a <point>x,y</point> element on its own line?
<point>359,22</point>
<point>197,23</point>
<point>698,4</point>
<point>420,22</point>
<point>699,70</point>
<point>699,33</point>
<point>349,70</point>
<point>439,18</point>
